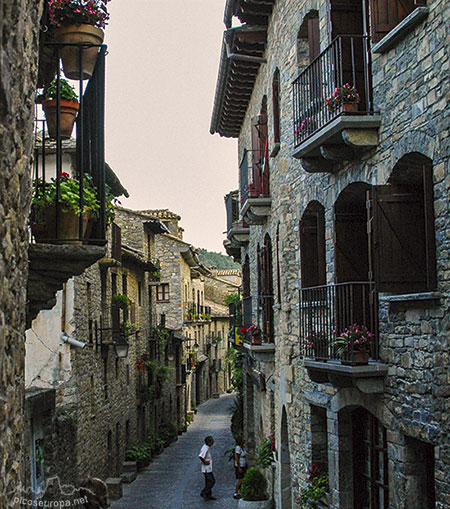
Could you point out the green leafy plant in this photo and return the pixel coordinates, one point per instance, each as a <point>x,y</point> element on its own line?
<point>264,453</point>
<point>121,300</point>
<point>254,486</point>
<point>156,275</point>
<point>168,432</point>
<point>69,196</point>
<point>160,375</point>
<point>138,452</point>
<point>128,327</point>
<point>233,298</point>
<point>78,12</point>
<point>155,443</point>
<point>317,489</point>
<point>67,91</point>
<point>237,417</point>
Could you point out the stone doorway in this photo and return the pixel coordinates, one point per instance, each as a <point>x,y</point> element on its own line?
<point>285,461</point>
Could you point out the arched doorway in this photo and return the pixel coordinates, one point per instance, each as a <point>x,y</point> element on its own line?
<point>285,462</point>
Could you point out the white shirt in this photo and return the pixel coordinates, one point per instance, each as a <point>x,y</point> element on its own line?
<point>206,455</point>
<point>242,456</point>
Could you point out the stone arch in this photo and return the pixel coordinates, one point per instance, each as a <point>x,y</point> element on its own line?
<point>304,56</point>
<point>312,245</point>
<point>285,463</point>
<point>410,142</point>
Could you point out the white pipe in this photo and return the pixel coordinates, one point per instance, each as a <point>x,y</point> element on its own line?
<point>71,341</point>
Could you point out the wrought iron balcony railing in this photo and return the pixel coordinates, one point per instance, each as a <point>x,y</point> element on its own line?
<point>325,312</point>
<point>54,183</point>
<point>345,60</point>
<point>196,312</point>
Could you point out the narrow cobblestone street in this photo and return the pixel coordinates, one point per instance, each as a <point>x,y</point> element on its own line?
<point>174,481</point>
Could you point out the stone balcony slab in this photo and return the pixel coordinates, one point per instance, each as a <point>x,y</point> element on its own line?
<point>262,353</point>
<point>52,265</point>
<point>367,378</point>
<point>338,141</point>
<point>256,210</point>
<point>239,235</point>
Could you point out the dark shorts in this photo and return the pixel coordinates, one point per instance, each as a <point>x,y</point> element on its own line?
<point>240,474</point>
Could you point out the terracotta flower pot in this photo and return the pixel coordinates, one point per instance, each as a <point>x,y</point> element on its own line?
<point>256,340</point>
<point>68,226</point>
<point>360,357</point>
<point>69,111</point>
<point>350,106</point>
<point>70,55</point>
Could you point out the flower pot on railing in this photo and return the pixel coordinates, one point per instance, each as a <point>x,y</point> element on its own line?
<point>74,56</point>
<point>350,106</point>
<point>68,114</point>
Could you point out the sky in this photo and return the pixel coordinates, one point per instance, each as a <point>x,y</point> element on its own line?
<point>162,63</point>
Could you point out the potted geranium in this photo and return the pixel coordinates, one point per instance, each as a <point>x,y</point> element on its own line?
<point>68,109</point>
<point>254,333</point>
<point>353,345</point>
<point>78,21</point>
<point>44,208</point>
<point>345,97</point>
<point>254,491</point>
<point>317,490</point>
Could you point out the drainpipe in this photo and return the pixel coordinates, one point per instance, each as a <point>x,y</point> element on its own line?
<point>73,342</point>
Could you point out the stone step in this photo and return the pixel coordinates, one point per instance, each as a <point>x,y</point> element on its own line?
<point>128,477</point>
<point>114,487</point>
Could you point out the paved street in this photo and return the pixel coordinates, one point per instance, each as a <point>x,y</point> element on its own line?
<point>174,480</point>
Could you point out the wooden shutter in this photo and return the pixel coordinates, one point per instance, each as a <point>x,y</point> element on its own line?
<point>116,243</point>
<point>401,243</point>
<point>312,249</point>
<point>346,17</point>
<point>386,14</point>
<point>259,136</point>
<point>133,312</point>
<point>313,38</point>
<point>276,106</point>
<point>351,256</point>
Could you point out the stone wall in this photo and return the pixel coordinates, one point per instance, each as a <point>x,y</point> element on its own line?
<point>409,92</point>
<point>19,32</point>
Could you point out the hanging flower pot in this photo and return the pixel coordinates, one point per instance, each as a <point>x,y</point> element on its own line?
<point>68,114</point>
<point>72,56</point>
<point>68,108</point>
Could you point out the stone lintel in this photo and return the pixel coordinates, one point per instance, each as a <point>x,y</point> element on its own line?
<point>411,297</point>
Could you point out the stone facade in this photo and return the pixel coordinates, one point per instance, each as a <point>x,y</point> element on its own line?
<point>19,31</point>
<point>313,420</point>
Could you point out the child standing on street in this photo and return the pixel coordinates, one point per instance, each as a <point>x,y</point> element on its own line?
<point>240,464</point>
<point>205,458</point>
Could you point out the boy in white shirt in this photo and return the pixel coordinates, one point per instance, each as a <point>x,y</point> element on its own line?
<point>205,458</point>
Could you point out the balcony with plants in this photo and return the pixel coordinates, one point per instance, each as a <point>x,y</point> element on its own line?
<point>238,232</point>
<point>339,335</point>
<point>72,203</point>
<point>334,117</point>
<point>255,195</point>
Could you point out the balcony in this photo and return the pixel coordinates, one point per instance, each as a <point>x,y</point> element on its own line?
<point>194,312</point>
<point>327,135</point>
<point>264,348</point>
<point>325,312</point>
<point>255,197</point>
<point>238,233</point>
<point>69,208</point>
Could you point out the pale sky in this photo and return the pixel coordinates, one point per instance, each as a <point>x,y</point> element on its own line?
<point>161,77</point>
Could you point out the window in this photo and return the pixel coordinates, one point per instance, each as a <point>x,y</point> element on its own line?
<point>401,234</point>
<point>370,462</point>
<point>260,169</point>
<point>124,284</point>
<point>162,293</point>
<point>420,472</point>
<point>113,283</point>
<point>139,293</point>
<point>265,290</point>
<point>308,39</point>
<point>312,246</point>
<point>276,106</point>
<point>386,14</point>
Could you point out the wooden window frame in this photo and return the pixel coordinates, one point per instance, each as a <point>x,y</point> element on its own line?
<point>276,106</point>
<point>162,293</point>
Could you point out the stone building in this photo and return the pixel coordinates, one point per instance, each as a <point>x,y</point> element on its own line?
<point>341,218</point>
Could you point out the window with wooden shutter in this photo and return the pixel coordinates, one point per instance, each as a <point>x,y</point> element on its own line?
<point>162,293</point>
<point>387,14</point>
<point>259,137</point>
<point>116,242</point>
<point>312,246</point>
<point>401,234</point>
<point>313,37</point>
<point>276,106</point>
